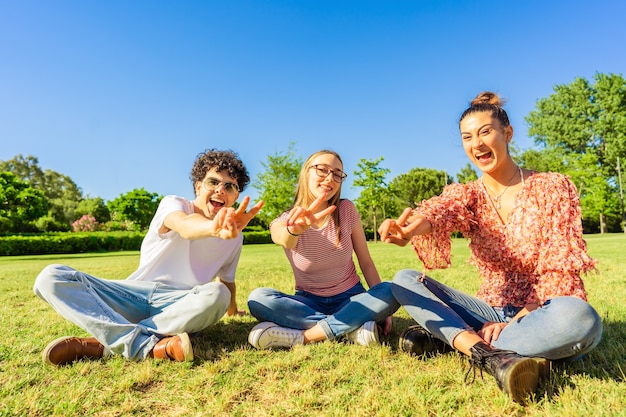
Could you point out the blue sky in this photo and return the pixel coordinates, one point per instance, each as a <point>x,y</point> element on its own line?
<point>124,94</point>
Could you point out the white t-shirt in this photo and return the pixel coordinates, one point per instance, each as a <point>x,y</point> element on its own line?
<point>183,263</point>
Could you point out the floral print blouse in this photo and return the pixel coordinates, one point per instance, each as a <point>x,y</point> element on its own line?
<point>537,255</point>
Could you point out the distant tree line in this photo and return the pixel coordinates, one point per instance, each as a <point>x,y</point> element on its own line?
<point>579,130</point>
<point>33,200</point>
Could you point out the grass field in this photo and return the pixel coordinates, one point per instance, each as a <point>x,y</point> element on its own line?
<point>229,378</point>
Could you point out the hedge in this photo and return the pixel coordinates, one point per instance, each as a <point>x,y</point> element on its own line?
<point>58,243</point>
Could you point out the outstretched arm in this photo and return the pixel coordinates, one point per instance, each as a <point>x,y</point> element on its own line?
<point>227,223</point>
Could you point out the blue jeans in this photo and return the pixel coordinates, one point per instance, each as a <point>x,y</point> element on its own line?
<point>337,314</point>
<point>562,328</point>
<point>130,317</point>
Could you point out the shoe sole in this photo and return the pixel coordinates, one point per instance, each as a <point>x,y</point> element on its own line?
<point>522,380</point>
<point>376,341</point>
<point>409,346</point>
<point>425,345</point>
<point>45,355</point>
<point>257,331</point>
<point>544,367</point>
<point>185,343</point>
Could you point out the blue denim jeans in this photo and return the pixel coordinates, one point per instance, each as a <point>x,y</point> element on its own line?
<point>562,328</point>
<point>130,317</point>
<point>338,314</point>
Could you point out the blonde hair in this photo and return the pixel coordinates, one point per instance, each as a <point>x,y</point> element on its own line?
<point>304,197</point>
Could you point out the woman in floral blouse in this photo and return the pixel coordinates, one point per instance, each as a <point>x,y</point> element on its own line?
<point>526,241</point>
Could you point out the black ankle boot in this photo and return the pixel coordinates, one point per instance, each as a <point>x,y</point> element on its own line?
<point>516,375</point>
<point>418,341</point>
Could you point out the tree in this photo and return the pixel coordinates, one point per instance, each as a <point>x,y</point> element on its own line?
<point>26,169</point>
<point>375,197</point>
<point>95,207</point>
<point>20,204</point>
<point>417,185</point>
<point>62,194</point>
<point>137,206</point>
<point>467,174</point>
<point>584,124</point>
<point>277,183</point>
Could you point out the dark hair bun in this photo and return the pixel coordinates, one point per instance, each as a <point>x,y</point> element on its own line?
<point>487,97</point>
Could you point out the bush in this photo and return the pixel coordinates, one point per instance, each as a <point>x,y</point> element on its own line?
<point>81,242</point>
<point>70,243</point>
<point>87,223</point>
<point>250,238</point>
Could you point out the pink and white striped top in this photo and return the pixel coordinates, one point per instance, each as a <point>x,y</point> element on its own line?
<point>319,265</point>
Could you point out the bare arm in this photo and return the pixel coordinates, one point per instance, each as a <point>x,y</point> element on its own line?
<point>227,224</point>
<point>359,243</point>
<point>366,263</point>
<point>232,308</point>
<point>491,330</point>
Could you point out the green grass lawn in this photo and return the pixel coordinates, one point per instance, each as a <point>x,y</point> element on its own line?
<point>229,378</point>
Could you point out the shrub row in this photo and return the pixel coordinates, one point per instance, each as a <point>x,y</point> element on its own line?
<point>57,243</point>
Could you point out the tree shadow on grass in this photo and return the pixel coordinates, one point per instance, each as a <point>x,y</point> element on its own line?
<point>232,334</point>
<point>216,341</point>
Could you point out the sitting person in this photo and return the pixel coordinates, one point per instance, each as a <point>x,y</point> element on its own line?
<point>172,293</point>
<point>526,241</point>
<point>319,235</point>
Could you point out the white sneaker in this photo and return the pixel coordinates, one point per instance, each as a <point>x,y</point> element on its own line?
<point>365,335</point>
<point>268,335</point>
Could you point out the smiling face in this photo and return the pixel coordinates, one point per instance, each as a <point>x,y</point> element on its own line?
<point>318,184</point>
<point>486,142</point>
<point>211,198</point>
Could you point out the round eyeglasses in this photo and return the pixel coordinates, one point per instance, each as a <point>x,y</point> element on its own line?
<point>322,171</point>
<point>211,184</point>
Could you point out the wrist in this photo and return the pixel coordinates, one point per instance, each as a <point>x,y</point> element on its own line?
<point>290,232</point>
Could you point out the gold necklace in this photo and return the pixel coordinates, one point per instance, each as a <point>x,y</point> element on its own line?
<point>496,199</point>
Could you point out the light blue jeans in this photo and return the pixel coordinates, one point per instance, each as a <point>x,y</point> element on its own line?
<point>338,314</point>
<point>130,317</point>
<point>563,328</point>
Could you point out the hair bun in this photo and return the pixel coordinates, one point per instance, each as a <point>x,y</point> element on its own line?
<point>487,97</point>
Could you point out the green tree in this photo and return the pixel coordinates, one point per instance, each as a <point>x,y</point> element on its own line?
<point>62,194</point>
<point>95,207</point>
<point>467,174</point>
<point>20,204</point>
<point>417,185</point>
<point>375,200</point>
<point>584,125</point>
<point>137,207</point>
<point>27,169</point>
<point>277,183</point>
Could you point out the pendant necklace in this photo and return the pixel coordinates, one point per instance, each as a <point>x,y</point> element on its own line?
<point>496,199</point>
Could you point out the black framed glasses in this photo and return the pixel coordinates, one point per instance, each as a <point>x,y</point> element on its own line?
<point>322,171</point>
<point>211,184</point>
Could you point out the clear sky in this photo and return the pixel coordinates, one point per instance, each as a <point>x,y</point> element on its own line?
<point>124,94</point>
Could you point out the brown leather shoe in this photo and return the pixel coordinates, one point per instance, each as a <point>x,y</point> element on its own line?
<point>69,349</point>
<point>177,348</point>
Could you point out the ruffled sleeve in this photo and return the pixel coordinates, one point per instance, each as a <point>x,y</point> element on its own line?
<point>448,213</point>
<point>563,255</point>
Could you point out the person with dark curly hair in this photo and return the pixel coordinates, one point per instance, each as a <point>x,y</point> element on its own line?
<point>185,281</point>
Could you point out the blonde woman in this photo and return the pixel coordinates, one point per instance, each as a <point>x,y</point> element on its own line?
<point>319,234</point>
